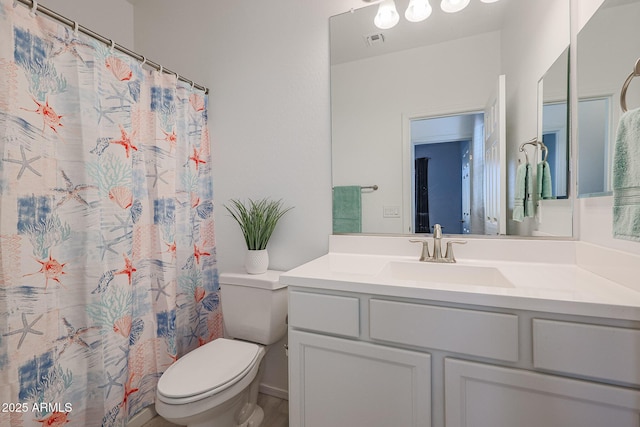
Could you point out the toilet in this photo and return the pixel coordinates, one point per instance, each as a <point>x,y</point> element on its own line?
<point>216,385</point>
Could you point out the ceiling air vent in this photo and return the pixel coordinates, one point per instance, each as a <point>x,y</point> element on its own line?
<point>374,39</point>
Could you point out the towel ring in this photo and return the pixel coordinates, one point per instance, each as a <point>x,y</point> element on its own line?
<point>532,141</point>
<point>545,149</point>
<point>526,156</point>
<point>625,86</point>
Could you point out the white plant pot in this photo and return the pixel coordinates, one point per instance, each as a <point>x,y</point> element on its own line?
<point>256,261</point>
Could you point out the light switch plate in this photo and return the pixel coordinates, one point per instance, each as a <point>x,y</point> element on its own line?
<point>391,211</point>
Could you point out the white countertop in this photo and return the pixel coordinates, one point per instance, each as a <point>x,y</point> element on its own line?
<point>537,286</point>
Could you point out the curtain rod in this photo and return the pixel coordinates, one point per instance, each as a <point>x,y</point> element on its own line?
<point>109,42</point>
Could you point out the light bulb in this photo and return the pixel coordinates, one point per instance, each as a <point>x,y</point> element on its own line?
<point>452,6</point>
<point>418,10</point>
<point>387,16</point>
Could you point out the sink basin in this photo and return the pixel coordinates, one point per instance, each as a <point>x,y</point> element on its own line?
<point>446,273</point>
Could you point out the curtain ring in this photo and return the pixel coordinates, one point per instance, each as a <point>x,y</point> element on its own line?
<point>193,84</point>
<point>15,3</point>
<point>34,8</point>
<point>177,78</point>
<point>161,70</point>
<point>144,61</point>
<point>113,45</point>
<point>75,28</point>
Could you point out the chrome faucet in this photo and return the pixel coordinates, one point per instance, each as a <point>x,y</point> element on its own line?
<point>437,256</point>
<point>437,243</point>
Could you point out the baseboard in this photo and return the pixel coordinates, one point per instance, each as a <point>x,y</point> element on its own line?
<point>142,417</point>
<point>273,391</point>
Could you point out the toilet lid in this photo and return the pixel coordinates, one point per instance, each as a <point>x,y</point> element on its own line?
<point>216,365</point>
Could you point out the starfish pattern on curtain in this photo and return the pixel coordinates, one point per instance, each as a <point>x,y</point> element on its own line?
<point>107,244</point>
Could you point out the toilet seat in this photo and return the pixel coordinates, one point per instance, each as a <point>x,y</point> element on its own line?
<point>207,370</point>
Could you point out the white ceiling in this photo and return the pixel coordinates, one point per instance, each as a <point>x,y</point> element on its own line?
<point>349,30</point>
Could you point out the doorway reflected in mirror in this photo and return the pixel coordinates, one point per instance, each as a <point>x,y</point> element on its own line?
<point>447,174</point>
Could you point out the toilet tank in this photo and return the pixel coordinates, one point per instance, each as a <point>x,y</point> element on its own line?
<point>254,306</point>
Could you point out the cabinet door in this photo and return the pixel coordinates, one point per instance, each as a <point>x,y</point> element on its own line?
<point>342,383</point>
<point>479,395</point>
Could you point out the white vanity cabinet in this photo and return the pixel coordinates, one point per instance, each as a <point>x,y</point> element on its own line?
<point>340,382</point>
<point>357,359</point>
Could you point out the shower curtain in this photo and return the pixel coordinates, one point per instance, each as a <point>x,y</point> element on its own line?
<point>107,244</point>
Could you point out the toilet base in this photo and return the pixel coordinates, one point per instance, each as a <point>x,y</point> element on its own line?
<point>255,420</point>
<point>225,416</point>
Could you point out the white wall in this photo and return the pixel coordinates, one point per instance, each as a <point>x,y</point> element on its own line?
<point>411,84</point>
<point>267,66</point>
<point>112,19</point>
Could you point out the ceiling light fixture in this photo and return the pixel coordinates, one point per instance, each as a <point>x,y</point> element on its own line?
<point>452,6</point>
<point>387,16</point>
<point>418,10</point>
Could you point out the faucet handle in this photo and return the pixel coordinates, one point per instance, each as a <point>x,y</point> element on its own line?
<point>425,249</point>
<point>437,231</point>
<point>448,255</point>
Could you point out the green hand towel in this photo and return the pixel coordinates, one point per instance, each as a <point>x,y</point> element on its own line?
<point>626,178</point>
<point>529,208</point>
<point>544,181</point>
<point>347,209</point>
<point>520,193</point>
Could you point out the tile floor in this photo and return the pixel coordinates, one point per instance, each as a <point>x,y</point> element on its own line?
<point>276,413</point>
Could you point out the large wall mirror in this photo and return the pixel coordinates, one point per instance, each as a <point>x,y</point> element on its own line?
<point>415,108</point>
<point>607,53</point>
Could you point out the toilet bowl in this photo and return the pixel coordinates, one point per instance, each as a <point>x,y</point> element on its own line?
<point>216,385</point>
<point>210,383</point>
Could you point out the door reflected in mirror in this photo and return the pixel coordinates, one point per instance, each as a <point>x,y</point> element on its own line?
<point>448,173</point>
<point>594,177</point>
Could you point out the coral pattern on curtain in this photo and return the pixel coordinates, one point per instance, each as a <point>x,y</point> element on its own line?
<point>107,245</point>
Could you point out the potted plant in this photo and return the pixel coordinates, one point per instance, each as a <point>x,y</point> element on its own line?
<point>257,220</point>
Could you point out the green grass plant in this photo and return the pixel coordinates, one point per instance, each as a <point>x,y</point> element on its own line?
<point>257,219</point>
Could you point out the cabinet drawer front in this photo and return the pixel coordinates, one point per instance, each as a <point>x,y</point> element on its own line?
<point>325,313</point>
<point>477,333</point>
<point>602,352</point>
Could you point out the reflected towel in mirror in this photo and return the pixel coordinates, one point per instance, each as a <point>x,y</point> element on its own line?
<point>544,181</point>
<point>523,202</point>
<point>626,178</point>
